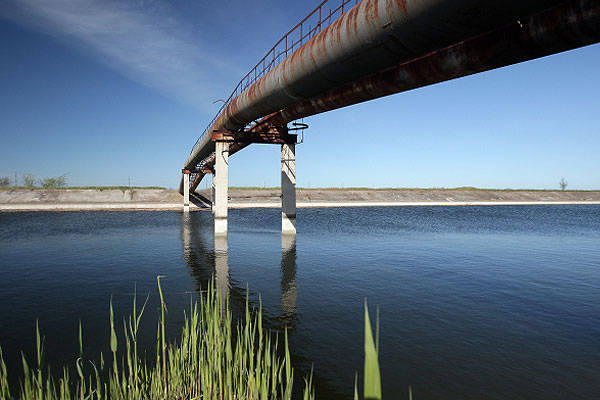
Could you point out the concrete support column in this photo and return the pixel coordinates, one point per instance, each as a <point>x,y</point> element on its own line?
<point>220,185</point>
<point>288,189</point>
<point>186,190</point>
<point>212,194</point>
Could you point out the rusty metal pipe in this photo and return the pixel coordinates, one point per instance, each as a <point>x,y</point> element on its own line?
<point>373,36</point>
<point>558,29</point>
<point>569,25</point>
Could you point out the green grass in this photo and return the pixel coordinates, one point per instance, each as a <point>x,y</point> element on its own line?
<point>372,379</point>
<point>465,188</point>
<point>100,188</point>
<point>213,359</point>
<point>253,188</point>
<point>116,187</point>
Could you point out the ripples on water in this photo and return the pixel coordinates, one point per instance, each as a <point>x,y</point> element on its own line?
<point>475,302</point>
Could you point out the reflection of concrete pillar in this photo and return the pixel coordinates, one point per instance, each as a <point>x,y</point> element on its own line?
<point>186,190</point>
<point>289,289</point>
<point>186,234</point>
<point>221,266</point>
<point>221,182</point>
<point>288,188</point>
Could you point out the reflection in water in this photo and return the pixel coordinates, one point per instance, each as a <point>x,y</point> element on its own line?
<point>221,265</point>
<point>204,264</point>
<point>289,289</point>
<point>477,302</point>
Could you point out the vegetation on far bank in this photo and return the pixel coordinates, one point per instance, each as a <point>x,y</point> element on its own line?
<point>60,182</point>
<point>29,181</point>
<point>464,188</point>
<point>115,187</point>
<point>99,188</point>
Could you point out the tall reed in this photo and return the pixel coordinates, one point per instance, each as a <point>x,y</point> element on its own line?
<point>213,359</point>
<point>208,362</point>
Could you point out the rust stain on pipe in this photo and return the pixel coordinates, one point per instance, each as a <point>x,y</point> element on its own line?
<point>558,29</point>
<point>381,47</point>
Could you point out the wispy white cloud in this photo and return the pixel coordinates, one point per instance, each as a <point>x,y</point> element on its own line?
<point>142,40</point>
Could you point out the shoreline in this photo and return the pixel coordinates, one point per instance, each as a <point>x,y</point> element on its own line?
<point>16,200</point>
<point>332,204</point>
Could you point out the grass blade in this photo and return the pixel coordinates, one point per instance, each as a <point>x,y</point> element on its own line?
<point>372,380</point>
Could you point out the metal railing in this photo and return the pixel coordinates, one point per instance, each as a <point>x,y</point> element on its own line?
<point>309,27</point>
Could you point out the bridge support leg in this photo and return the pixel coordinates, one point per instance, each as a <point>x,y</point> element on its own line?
<point>186,190</point>
<point>220,185</point>
<point>288,189</point>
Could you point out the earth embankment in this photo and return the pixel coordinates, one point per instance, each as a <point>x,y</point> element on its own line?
<point>163,199</point>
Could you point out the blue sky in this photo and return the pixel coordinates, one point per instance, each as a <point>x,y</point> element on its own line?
<point>111,92</point>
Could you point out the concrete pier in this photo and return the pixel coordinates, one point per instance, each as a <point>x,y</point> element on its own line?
<point>186,190</point>
<point>288,189</point>
<point>220,187</point>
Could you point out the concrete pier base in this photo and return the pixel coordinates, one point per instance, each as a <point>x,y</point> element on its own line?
<point>288,224</point>
<point>288,189</point>
<point>220,187</point>
<point>186,190</point>
<point>212,196</point>
<point>221,225</point>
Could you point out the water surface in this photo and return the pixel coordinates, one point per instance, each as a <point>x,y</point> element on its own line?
<point>475,302</point>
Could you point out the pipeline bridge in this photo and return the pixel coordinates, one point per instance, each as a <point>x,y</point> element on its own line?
<point>348,51</point>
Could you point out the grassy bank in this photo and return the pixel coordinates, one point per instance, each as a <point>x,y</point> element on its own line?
<point>461,188</point>
<point>100,188</point>
<point>366,189</point>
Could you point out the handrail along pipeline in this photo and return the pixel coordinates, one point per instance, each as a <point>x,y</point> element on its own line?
<point>285,46</point>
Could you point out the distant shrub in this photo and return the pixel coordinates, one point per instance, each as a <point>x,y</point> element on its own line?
<point>4,181</point>
<point>563,184</point>
<point>54,183</point>
<point>29,180</point>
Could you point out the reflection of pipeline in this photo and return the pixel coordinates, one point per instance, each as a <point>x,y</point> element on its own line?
<point>289,289</point>
<point>197,255</point>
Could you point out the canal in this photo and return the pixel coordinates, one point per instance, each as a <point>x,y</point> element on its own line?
<point>474,302</point>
